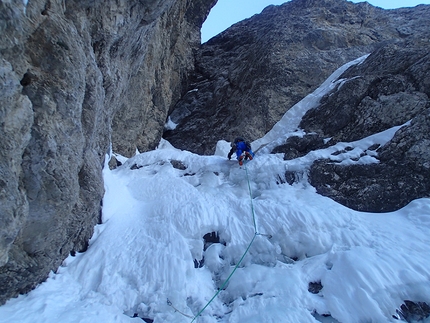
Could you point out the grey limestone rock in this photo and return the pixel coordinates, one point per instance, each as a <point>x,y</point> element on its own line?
<point>78,78</point>
<point>387,90</point>
<point>247,77</point>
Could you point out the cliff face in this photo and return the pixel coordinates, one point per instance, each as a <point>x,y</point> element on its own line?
<point>247,77</point>
<point>77,76</point>
<point>389,89</point>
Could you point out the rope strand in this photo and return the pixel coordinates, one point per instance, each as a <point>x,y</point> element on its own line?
<point>250,197</point>
<point>237,265</point>
<point>170,304</point>
<point>243,256</point>
<point>226,281</point>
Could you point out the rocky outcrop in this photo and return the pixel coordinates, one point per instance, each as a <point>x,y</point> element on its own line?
<point>413,311</point>
<point>251,74</point>
<point>247,77</point>
<point>389,89</point>
<point>77,78</point>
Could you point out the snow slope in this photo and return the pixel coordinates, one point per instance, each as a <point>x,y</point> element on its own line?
<point>155,217</point>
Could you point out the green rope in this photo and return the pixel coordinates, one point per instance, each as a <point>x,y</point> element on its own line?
<point>250,197</point>
<point>243,256</point>
<point>226,281</point>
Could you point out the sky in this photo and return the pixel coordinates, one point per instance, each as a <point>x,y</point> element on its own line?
<point>275,239</point>
<point>227,12</point>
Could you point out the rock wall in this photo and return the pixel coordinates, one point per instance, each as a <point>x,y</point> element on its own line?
<point>248,76</point>
<point>78,78</point>
<point>389,89</point>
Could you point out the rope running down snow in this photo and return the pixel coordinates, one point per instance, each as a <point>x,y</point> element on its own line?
<point>170,304</point>
<point>243,256</point>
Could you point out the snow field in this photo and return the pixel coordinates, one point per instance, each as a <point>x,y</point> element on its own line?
<point>155,217</point>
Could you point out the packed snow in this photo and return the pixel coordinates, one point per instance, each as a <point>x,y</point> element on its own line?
<point>148,258</point>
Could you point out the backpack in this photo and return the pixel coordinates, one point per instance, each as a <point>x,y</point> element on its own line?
<point>247,144</point>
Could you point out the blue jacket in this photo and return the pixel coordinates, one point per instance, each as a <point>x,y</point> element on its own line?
<point>240,148</point>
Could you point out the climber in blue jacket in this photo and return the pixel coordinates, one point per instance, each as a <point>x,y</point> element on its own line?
<point>243,150</point>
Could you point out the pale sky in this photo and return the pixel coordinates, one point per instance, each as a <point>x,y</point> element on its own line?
<point>227,12</point>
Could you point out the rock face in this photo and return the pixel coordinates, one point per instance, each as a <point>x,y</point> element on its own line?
<point>250,75</point>
<point>389,89</point>
<point>77,77</point>
<point>247,77</point>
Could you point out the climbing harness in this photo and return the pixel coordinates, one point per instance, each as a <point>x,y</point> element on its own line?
<point>256,233</point>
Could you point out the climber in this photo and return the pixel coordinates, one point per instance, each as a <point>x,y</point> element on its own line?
<point>242,149</point>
